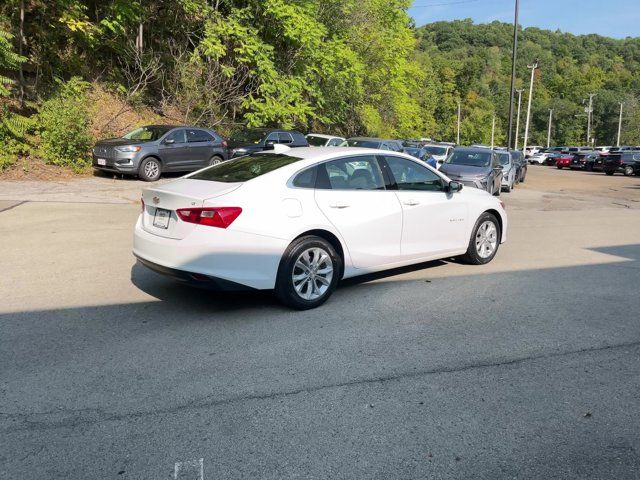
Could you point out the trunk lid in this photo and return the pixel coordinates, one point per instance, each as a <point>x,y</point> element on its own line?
<point>161,202</point>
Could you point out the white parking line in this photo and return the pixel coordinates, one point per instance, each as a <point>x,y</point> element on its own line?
<point>189,470</point>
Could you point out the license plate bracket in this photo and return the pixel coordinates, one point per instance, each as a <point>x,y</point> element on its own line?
<point>161,218</point>
<point>102,161</point>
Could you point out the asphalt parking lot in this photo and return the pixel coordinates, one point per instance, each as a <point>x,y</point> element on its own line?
<point>528,367</point>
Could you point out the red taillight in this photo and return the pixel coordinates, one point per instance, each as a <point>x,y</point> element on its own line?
<point>225,144</point>
<point>220,217</point>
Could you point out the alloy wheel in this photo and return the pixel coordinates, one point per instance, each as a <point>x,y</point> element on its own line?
<point>151,169</point>
<point>486,239</point>
<point>312,273</point>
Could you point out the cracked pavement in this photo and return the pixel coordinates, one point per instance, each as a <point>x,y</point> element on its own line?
<point>526,368</point>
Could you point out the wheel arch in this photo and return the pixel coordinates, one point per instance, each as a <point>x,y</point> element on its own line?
<point>496,214</point>
<point>332,239</point>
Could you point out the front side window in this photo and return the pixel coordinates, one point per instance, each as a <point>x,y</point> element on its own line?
<point>244,168</point>
<point>350,173</point>
<point>413,176</point>
<point>150,134</point>
<point>272,137</point>
<point>198,136</point>
<point>178,136</point>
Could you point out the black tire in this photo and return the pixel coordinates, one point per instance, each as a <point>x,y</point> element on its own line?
<point>609,173</point>
<point>147,172</point>
<point>215,160</point>
<point>524,176</point>
<point>559,167</point>
<point>472,256</point>
<point>628,170</point>
<point>286,291</point>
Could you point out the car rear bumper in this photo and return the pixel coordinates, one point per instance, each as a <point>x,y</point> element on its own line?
<point>217,256</point>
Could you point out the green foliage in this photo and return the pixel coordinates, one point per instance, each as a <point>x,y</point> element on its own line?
<point>63,126</point>
<point>476,60</point>
<point>13,127</point>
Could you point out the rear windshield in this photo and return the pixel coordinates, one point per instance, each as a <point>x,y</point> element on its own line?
<point>245,168</point>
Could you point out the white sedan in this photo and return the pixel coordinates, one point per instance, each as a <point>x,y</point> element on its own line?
<point>299,220</point>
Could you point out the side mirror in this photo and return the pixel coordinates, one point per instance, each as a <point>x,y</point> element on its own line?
<point>454,187</point>
<point>499,167</point>
<point>169,141</point>
<point>440,162</point>
<point>269,145</point>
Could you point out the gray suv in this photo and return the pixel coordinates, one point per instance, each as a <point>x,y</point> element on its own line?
<point>149,151</point>
<point>475,167</point>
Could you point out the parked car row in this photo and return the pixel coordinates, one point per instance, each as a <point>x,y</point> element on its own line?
<point>155,149</point>
<point>610,160</point>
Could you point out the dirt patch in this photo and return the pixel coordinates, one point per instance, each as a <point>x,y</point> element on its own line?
<point>32,168</point>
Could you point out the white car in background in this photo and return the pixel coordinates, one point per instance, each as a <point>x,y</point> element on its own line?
<point>539,158</point>
<point>438,152</point>
<point>532,150</point>
<point>299,220</point>
<point>321,140</point>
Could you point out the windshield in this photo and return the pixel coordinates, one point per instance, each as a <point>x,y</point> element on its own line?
<point>145,134</point>
<point>248,136</point>
<point>469,158</point>
<point>355,142</point>
<point>436,150</point>
<point>244,168</point>
<point>504,158</point>
<point>316,141</point>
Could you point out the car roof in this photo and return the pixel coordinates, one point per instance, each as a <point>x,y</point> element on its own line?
<point>473,149</point>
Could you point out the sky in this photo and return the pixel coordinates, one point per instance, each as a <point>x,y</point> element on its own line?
<point>612,18</point>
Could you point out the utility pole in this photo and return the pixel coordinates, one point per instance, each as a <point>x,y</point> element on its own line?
<point>549,132</point>
<point>526,128</point>
<point>620,124</point>
<point>458,135</point>
<point>589,112</point>
<point>493,131</point>
<point>21,43</point>
<point>518,120</point>
<point>513,77</point>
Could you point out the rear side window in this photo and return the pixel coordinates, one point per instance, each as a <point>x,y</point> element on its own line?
<point>350,173</point>
<point>198,136</point>
<point>306,179</point>
<point>244,169</point>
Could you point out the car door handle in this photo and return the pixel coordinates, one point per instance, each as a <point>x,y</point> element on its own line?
<point>339,205</point>
<point>411,202</point>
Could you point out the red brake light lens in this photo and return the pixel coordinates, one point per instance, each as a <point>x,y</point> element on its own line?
<point>225,144</point>
<point>219,217</point>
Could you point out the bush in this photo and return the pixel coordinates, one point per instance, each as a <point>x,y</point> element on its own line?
<point>63,124</point>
